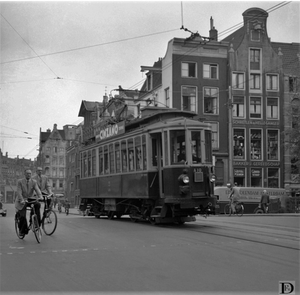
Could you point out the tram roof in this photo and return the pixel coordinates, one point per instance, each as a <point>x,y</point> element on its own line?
<point>173,116</point>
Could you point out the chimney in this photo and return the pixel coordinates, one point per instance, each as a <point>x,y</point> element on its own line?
<point>213,33</point>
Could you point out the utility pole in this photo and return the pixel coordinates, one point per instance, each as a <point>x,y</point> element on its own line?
<point>230,136</point>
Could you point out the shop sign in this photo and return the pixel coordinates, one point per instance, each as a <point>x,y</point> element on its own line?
<point>239,172</point>
<point>109,131</point>
<point>255,172</point>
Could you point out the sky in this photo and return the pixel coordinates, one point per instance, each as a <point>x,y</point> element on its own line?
<point>54,55</point>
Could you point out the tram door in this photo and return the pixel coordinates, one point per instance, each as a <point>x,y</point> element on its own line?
<point>157,160</point>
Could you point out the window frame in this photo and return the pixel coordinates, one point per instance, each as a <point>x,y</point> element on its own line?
<point>268,76</point>
<point>261,106</point>
<point>236,80</point>
<point>210,72</point>
<point>235,108</point>
<point>188,70</point>
<point>189,99</point>
<point>267,108</point>
<point>207,96</point>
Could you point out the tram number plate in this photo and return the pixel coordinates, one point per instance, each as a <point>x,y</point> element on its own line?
<point>198,176</point>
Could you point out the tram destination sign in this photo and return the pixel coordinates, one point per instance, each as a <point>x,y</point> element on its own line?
<point>103,132</point>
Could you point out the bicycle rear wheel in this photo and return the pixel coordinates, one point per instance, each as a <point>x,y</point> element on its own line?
<point>49,222</point>
<point>227,209</point>
<point>17,220</point>
<point>36,228</point>
<point>240,211</point>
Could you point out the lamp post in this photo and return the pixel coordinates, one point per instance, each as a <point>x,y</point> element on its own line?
<point>230,137</point>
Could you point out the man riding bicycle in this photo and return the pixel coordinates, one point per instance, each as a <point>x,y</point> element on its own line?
<point>264,201</point>
<point>233,197</point>
<point>26,189</point>
<point>43,183</point>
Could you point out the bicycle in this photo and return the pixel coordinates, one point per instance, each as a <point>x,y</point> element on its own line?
<point>239,209</point>
<point>49,219</point>
<point>260,210</point>
<point>33,225</point>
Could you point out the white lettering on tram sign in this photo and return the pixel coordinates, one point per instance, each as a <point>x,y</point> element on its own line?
<point>109,131</point>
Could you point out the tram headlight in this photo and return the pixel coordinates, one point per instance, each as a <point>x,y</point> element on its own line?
<point>185,179</point>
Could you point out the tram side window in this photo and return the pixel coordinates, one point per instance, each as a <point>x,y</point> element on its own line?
<point>101,161</point>
<point>196,147</point>
<point>138,153</point>
<point>154,152</point>
<point>111,158</point>
<point>124,156</point>
<point>106,167</point>
<point>84,166</point>
<point>94,162</point>
<point>89,163</point>
<point>178,152</point>
<point>166,155</point>
<point>144,152</point>
<point>208,149</point>
<point>130,154</point>
<point>117,157</point>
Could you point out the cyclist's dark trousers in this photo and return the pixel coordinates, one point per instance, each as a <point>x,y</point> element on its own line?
<point>23,225</point>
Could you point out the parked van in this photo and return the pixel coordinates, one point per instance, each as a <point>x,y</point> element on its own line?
<point>251,196</point>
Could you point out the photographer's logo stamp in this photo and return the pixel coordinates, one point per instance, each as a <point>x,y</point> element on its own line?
<point>287,287</point>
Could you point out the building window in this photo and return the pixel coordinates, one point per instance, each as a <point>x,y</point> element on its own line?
<point>239,176</point>
<point>273,177</point>
<point>239,144</point>
<point>167,97</point>
<point>255,107</point>
<point>254,81</point>
<point>189,69</point>
<point>215,135</point>
<point>210,100</point>
<point>273,144</point>
<point>272,82</point>
<point>238,108</point>
<point>210,71</point>
<point>256,177</point>
<point>256,144</point>
<point>54,161</point>
<point>293,84</point>
<point>188,101</point>
<point>47,160</point>
<point>254,59</point>
<point>238,80</point>
<point>272,108</point>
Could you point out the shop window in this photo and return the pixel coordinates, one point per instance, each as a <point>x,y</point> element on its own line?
<point>189,69</point>
<point>239,144</point>
<point>273,177</point>
<point>256,177</point>
<point>239,176</point>
<point>256,144</point>
<point>238,109</point>
<point>210,100</point>
<point>273,144</point>
<point>188,101</point>
<point>255,107</point>
<point>272,108</point>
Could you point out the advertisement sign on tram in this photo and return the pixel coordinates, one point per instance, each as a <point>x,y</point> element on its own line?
<point>103,132</point>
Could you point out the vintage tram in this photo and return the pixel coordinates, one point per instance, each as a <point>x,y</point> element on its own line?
<point>156,168</point>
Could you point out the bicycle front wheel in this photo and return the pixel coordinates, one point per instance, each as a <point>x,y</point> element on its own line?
<point>49,222</point>
<point>227,209</point>
<point>36,228</point>
<point>17,220</point>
